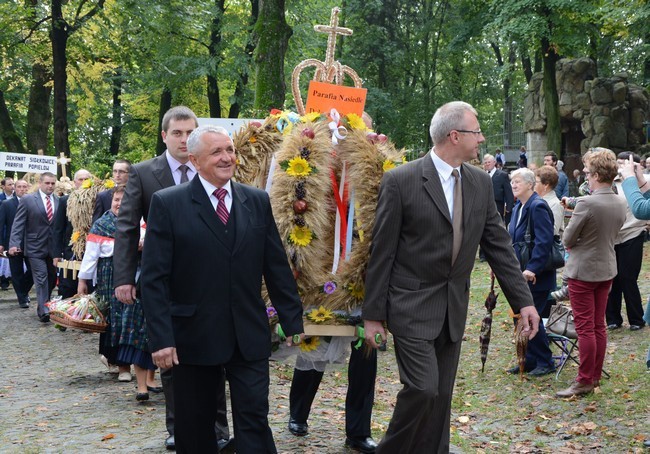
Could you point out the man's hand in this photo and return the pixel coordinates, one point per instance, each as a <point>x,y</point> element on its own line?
<point>292,341</point>
<point>56,260</point>
<point>13,250</point>
<point>628,169</point>
<point>165,358</point>
<point>530,320</point>
<point>125,293</point>
<point>372,328</point>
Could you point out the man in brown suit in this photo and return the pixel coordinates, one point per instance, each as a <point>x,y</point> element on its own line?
<point>419,274</point>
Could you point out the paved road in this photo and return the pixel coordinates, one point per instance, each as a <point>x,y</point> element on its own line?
<point>55,396</point>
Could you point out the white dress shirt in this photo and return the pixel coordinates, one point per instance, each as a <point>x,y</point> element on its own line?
<point>210,188</point>
<point>447,181</point>
<point>174,166</point>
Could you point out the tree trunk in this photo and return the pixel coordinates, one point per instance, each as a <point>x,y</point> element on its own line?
<point>10,137</point>
<point>59,38</point>
<point>525,63</point>
<point>551,101</point>
<point>214,49</point>
<point>242,80</point>
<point>116,127</point>
<point>165,105</point>
<point>39,114</point>
<point>272,33</point>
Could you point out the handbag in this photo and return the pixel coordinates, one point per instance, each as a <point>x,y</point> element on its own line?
<point>560,321</point>
<point>556,256</point>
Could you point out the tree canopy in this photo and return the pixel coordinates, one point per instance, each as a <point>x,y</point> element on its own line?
<point>90,78</point>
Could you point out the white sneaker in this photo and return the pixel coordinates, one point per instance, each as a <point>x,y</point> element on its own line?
<point>113,369</point>
<point>124,376</point>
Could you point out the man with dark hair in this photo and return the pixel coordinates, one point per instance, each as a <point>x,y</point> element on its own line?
<point>6,194</point>
<point>562,188</point>
<point>121,169</point>
<point>21,275</point>
<point>145,178</point>
<point>432,213</point>
<point>33,230</point>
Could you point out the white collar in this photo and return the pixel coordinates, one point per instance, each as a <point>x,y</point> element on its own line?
<point>444,169</point>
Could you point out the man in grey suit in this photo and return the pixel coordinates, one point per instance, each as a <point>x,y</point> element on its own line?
<point>33,227</point>
<point>423,248</point>
<point>145,178</point>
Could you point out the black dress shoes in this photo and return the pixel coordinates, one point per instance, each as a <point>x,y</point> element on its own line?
<point>226,445</point>
<point>541,371</point>
<point>24,304</point>
<point>365,445</point>
<point>141,397</point>
<point>155,389</point>
<point>44,318</point>
<point>170,443</point>
<point>299,429</point>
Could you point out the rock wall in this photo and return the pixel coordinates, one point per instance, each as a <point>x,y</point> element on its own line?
<point>605,112</point>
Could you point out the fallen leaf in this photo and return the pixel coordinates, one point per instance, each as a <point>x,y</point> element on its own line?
<point>463,419</point>
<point>108,437</point>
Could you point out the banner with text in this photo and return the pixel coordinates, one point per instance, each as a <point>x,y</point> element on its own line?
<point>323,97</point>
<point>22,162</point>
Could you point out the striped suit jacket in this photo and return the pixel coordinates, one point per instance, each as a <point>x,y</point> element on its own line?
<point>410,282</point>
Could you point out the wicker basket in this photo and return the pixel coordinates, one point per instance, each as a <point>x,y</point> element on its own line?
<point>64,319</point>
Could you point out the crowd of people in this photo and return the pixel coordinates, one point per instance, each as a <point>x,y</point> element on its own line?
<point>179,251</point>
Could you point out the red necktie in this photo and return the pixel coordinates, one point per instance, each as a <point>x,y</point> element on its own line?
<point>48,208</point>
<point>222,211</point>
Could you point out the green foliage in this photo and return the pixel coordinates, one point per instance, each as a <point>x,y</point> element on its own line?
<point>413,56</point>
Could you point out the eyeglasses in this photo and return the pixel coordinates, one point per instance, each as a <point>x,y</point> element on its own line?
<point>120,171</point>
<point>478,132</point>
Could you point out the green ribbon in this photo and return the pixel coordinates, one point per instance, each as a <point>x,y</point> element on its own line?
<point>361,335</point>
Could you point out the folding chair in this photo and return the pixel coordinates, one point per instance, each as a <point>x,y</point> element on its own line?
<point>568,348</point>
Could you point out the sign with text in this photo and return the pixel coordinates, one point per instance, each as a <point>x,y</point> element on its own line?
<point>22,162</point>
<point>324,97</point>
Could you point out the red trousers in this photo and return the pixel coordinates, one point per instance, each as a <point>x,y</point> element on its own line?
<point>589,301</point>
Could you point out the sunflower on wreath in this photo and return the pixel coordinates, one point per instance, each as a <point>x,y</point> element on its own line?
<point>309,344</point>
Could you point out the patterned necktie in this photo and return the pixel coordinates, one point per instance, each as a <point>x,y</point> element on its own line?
<point>48,208</point>
<point>222,211</point>
<point>183,168</point>
<point>457,219</point>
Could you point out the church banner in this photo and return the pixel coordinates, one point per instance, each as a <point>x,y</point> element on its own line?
<point>22,162</point>
<point>323,97</point>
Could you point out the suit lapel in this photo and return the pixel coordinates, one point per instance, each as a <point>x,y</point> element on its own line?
<point>202,203</point>
<point>470,186</point>
<point>40,205</point>
<point>433,186</point>
<point>242,216</point>
<point>162,172</point>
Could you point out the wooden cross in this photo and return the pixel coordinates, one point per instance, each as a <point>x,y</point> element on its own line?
<point>333,29</point>
<point>63,161</point>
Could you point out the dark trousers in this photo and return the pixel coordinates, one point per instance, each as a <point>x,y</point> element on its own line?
<point>21,278</point>
<point>629,256</point>
<point>196,399</point>
<point>362,371</point>
<point>44,275</point>
<point>427,369</point>
<point>221,423</point>
<point>67,285</point>
<point>538,352</point>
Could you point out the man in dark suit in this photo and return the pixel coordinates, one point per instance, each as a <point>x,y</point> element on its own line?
<point>21,277</point>
<point>121,169</point>
<point>209,243</point>
<point>6,194</point>
<point>62,235</point>
<point>33,230</point>
<point>431,215</point>
<point>170,168</point>
<point>503,197</point>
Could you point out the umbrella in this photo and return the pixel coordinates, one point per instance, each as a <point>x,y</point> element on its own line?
<point>486,324</point>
